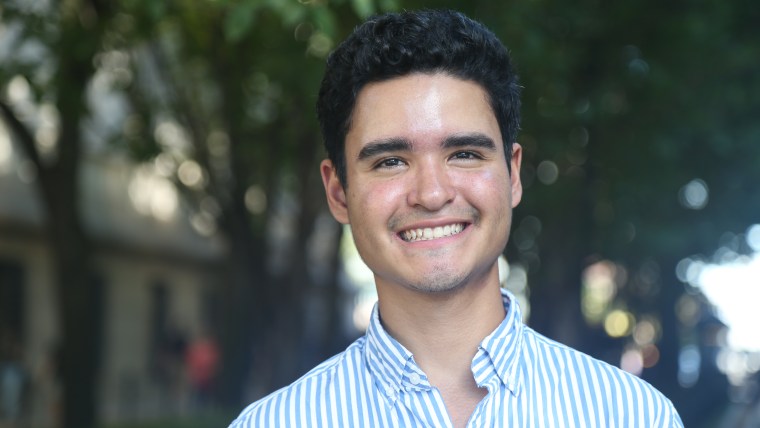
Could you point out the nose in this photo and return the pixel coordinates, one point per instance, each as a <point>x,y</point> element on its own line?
<point>432,188</point>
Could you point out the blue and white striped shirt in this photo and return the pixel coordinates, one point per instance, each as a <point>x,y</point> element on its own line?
<point>532,381</point>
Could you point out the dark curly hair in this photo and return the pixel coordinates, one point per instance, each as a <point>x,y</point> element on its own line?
<point>397,44</point>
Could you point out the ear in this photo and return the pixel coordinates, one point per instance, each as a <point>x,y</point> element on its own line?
<point>514,178</point>
<point>336,195</point>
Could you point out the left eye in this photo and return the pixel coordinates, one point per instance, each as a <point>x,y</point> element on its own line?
<point>465,155</point>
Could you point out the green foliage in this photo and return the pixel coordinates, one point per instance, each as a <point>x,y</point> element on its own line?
<point>629,100</point>
<point>239,20</point>
<point>324,20</point>
<point>363,8</point>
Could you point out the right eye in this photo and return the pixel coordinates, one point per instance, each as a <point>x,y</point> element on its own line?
<point>389,163</point>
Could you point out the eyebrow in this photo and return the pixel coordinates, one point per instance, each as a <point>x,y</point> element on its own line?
<point>379,147</point>
<point>470,140</point>
<point>389,145</point>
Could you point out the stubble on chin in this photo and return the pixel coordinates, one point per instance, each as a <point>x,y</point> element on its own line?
<point>439,280</point>
<point>444,278</point>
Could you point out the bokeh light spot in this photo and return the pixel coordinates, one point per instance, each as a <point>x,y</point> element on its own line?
<point>599,288</point>
<point>632,361</point>
<point>645,332</point>
<point>547,172</point>
<point>753,237</point>
<point>650,355</point>
<point>6,149</point>
<point>255,200</point>
<point>694,195</point>
<point>153,195</point>
<point>618,323</point>
<point>190,174</point>
<point>18,89</point>
<point>689,362</point>
<point>688,310</point>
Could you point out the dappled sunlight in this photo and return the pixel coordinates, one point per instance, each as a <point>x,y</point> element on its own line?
<point>730,281</point>
<point>191,174</point>
<point>18,90</point>
<point>153,195</point>
<point>734,289</point>
<point>172,136</point>
<point>600,283</point>
<point>6,150</point>
<point>360,278</point>
<point>47,132</point>
<point>602,306</point>
<point>255,200</point>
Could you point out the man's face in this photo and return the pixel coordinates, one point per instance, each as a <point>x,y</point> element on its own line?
<point>429,197</point>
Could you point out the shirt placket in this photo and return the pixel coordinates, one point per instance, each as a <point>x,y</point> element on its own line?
<point>423,401</point>
<point>492,385</point>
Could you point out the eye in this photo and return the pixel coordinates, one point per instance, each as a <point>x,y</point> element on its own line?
<point>466,155</point>
<point>388,163</point>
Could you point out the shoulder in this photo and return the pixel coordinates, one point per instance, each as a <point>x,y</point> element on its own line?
<point>561,359</point>
<point>601,389</point>
<point>300,398</point>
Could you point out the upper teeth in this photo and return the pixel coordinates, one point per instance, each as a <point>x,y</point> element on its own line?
<point>428,233</point>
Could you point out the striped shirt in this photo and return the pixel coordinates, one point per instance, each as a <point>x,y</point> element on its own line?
<point>531,381</point>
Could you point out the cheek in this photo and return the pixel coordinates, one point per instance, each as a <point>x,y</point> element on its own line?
<point>385,190</point>
<point>376,201</point>
<point>488,186</point>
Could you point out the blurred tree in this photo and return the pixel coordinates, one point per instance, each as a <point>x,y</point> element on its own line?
<point>639,133</point>
<point>640,144</point>
<point>66,37</point>
<point>238,81</point>
<point>222,93</point>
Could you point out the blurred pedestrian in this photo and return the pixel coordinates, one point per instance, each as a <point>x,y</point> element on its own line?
<point>12,378</point>
<point>201,361</point>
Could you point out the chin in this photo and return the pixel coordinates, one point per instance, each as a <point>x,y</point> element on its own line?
<point>439,281</point>
<point>445,280</point>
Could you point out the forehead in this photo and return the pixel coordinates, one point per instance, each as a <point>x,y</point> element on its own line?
<point>421,108</point>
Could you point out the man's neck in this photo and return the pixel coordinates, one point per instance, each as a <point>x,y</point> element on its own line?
<point>443,330</point>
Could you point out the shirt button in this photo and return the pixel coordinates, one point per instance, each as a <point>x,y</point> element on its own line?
<point>389,391</point>
<point>414,378</point>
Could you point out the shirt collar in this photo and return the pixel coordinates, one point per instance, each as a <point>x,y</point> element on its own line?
<point>386,358</point>
<point>503,345</point>
<point>390,363</point>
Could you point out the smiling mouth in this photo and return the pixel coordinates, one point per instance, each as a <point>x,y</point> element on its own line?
<point>429,233</point>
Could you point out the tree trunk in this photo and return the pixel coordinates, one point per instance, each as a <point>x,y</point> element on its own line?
<point>58,187</point>
<point>243,313</point>
<point>78,307</point>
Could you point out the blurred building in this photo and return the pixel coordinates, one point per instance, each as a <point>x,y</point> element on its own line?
<point>153,267</point>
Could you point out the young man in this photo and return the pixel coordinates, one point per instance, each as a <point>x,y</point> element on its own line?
<point>419,113</point>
